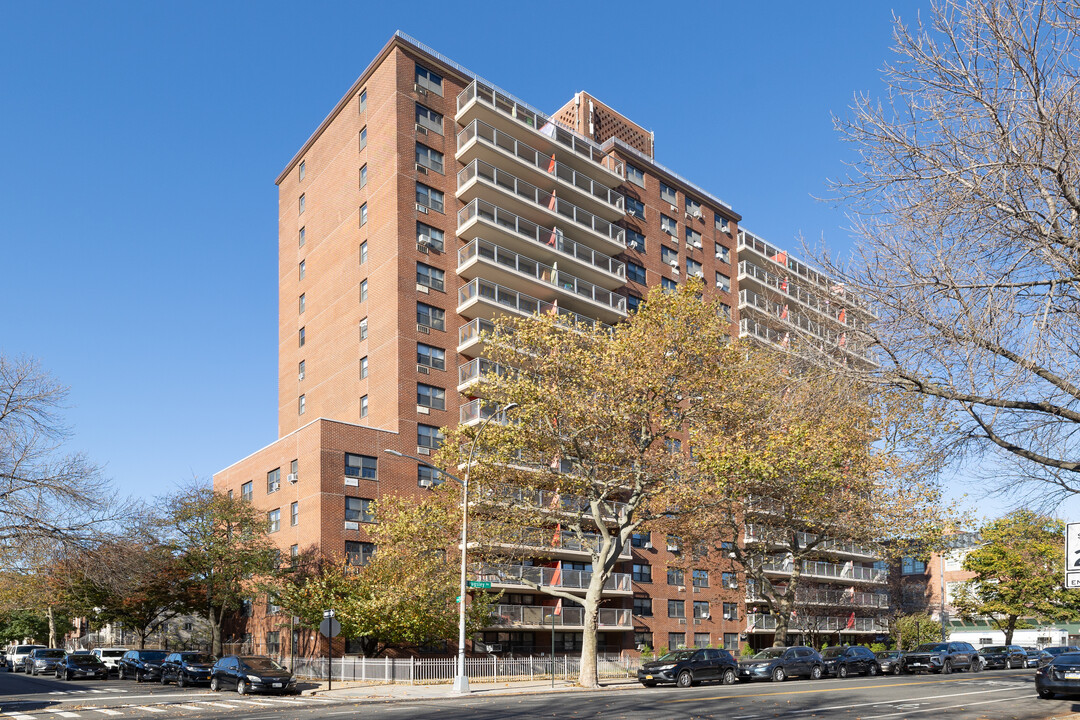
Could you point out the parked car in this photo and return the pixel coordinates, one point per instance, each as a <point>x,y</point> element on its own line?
<point>251,673</point>
<point>1055,650</point>
<point>690,667</point>
<point>891,661</point>
<point>187,668</point>
<point>16,659</point>
<point>943,658</point>
<point>42,660</point>
<point>111,657</point>
<point>141,664</point>
<point>1003,656</point>
<point>843,661</point>
<point>1060,676</point>
<point>780,663</point>
<point>76,665</point>
<point>1036,657</point>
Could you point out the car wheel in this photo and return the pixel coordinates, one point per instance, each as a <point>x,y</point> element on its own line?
<point>33,671</point>
<point>778,674</point>
<point>816,672</point>
<point>896,669</point>
<point>873,670</point>
<point>68,675</point>
<point>181,680</point>
<point>138,676</point>
<point>976,665</point>
<point>685,679</point>
<point>242,687</point>
<point>163,679</point>
<point>729,677</point>
<point>1008,664</point>
<point>947,667</point>
<point>120,674</point>
<point>841,671</point>
<point>1045,694</point>
<point>215,685</point>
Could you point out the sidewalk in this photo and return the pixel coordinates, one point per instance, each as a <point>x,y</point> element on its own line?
<point>401,692</point>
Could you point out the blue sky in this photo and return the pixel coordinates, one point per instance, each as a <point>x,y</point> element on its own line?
<point>143,139</point>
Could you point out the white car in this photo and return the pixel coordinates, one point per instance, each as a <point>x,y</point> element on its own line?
<point>110,656</point>
<point>16,659</point>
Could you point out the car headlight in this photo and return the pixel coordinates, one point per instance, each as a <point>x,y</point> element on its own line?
<point>663,667</point>
<point>254,678</point>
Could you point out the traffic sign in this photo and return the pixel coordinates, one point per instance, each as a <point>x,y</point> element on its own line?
<point>327,613</point>
<point>1072,555</point>
<point>330,627</point>
<point>479,584</point>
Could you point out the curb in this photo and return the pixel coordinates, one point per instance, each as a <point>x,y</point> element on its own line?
<point>474,696</point>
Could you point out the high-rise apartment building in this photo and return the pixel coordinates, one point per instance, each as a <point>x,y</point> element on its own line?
<point>427,203</point>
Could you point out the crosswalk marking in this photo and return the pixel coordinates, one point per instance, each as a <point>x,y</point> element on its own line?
<point>316,698</point>
<point>147,708</point>
<point>20,716</point>
<point>61,713</point>
<point>250,702</point>
<point>283,700</point>
<point>219,704</point>
<point>104,711</point>
<point>187,707</point>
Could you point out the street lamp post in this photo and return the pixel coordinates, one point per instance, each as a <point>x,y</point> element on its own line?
<point>461,680</point>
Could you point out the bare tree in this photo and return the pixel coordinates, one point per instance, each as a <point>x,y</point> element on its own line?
<point>965,197</point>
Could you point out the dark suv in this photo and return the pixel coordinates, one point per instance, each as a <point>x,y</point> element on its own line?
<point>779,663</point>
<point>690,667</point>
<point>844,661</point>
<point>187,668</point>
<point>943,658</point>
<point>251,673</point>
<point>1003,656</point>
<point>141,664</point>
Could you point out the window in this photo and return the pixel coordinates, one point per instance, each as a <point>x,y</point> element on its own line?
<point>303,239</point>
<point>669,257</point>
<point>363,215</point>
<point>427,476</point>
<point>303,268</point>
<point>361,466</point>
<point>429,197</point>
<point>725,311</point>
<point>721,223</point>
<point>303,299</point>
<point>676,608</point>
<point>635,175</point>
<point>693,208</point>
<point>302,403</point>
<point>302,168</point>
<point>363,252</point>
<point>247,491</point>
<point>675,576</point>
<point>294,467</point>
<point>731,611</point>
<point>701,640</point>
<point>642,639</point>
<point>363,329</point>
<point>274,518</point>
<point>643,607</point>
<point>363,100</point>
<point>428,436</point>
<point>674,543</point>
<point>667,194</point>
<point>363,175</point>
<point>428,80</point>
<point>638,540</point>
<point>363,367</point>
<point>363,291</point>
<point>430,356</point>
<point>723,282</point>
<point>955,560</point>
<point>676,640</point>
<point>642,572</point>
<point>632,302</point>
<point>729,580</point>
<point>363,138</point>
<point>635,240</point>
<point>294,514</point>
<point>669,225</point>
<point>668,284</point>
<point>723,253</point>
<point>429,119</point>
<point>693,237</point>
<point>731,642</point>
<point>635,207</point>
<point>701,578</point>
<point>434,236</point>
<point>363,406</point>
<point>433,317</point>
<point>302,203</point>
<point>693,268</point>
<point>429,276</point>
<point>273,639</point>
<point>303,336</point>
<point>294,552</point>
<point>430,396</point>
<point>635,272</point>
<point>359,510</point>
<point>911,566</point>
<point>273,481</point>
<point>429,157</point>
<point>359,553</point>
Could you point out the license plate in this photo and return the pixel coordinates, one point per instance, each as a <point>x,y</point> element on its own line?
<point>276,685</point>
<point>648,677</point>
<point>1072,676</point>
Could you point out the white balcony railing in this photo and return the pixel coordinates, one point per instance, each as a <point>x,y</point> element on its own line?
<point>762,622</point>
<point>556,502</point>
<point>833,571</point>
<point>549,577</point>
<point>513,301</point>
<point>540,272</point>
<point>805,596</point>
<point>550,540</point>
<point>480,170</point>
<point>543,615</point>
<point>755,533</point>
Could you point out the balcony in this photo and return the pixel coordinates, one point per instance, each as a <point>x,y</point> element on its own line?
<point>563,544</point>
<point>556,502</point>
<point>516,233</point>
<point>788,340</point>
<point>473,372</point>
<point>476,411</point>
<point>483,142</point>
<point>758,534</point>
<point>511,576</point>
<point>507,114</point>
<point>805,596</point>
<point>478,178</point>
<point>541,616</point>
<point>848,572</point>
<point>470,337</point>
<point>792,321</point>
<point>484,299</point>
<point>481,258</point>
<point>761,623</point>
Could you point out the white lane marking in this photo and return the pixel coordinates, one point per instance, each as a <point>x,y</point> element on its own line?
<point>316,698</point>
<point>218,704</point>
<point>20,716</point>
<point>105,711</point>
<point>187,707</point>
<point>949,707</point>
<point>62,713</point>
<point>147,708</point>
<point>287,702</point>
<point>251,702</point>
<point>880,702</point>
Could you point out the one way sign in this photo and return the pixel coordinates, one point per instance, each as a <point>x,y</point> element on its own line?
<point>1072,555</point>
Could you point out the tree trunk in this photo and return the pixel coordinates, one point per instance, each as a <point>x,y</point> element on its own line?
<point>587,677</point>
<point>52,628</point>
<point>1010,627</point>
<point>215,633</point>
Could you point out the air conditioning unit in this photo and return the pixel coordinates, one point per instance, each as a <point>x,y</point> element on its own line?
<point>673,263</point>
<point>697,214</point>
<point>647,545</point>
<point>670,231</point>
<point>424,240</point>
<point>425,482</point>
<point>423,329</point>
<point>719,255</point>
<point>301,376</point>
<point>719,283</point>
<point>421,129</point>
<point>697,589</point>
<point>423,370</point>
<point>699,274</point>
<point>704,616</point>
<point>697,244</point>
<point>494,647</point>
<point>421,169</point>
<point>417,87</point>
<point>681,588</point>
<point>421,208</point>
<point>273,487</point>
<point>292,478</point>
<point>674,209</point>
<point>682,621</point>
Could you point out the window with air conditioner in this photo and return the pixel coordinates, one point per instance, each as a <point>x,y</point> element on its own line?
<point>273,481</point>
<point>635,207</point>
<point>669,256</point>
<point>429,157</point>
<point>430,236</point>
<point>701,609</point>
<point>676,608</point>
<point>430,356</point>
<point>429,197</point>
<point>723,253</point>
<point>635,175</point>
<point>669,225</point>
<point>430,277</point>
<point>428,80</point>
<point>361,466</point>
<point>668,194</point>
<point>635,240</point>
<point>693,268</point>
<point>723,282</point>
<point>693,208</point>
<point>359,510</point>
<point>429,119</point>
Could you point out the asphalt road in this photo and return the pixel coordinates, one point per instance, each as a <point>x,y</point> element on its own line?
<point>986,696</point>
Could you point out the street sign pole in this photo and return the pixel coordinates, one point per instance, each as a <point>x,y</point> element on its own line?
<point>329,628</point>
<point>1072,556</point>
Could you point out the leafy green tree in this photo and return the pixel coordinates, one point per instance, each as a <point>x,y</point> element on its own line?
<point>1019,573</point>
<point>18,625</point>
<point>910,631</point>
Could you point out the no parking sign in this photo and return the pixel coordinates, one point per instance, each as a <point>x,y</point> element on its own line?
<point>1072,555</point>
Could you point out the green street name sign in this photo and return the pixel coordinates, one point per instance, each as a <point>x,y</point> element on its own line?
<point>479,584</point>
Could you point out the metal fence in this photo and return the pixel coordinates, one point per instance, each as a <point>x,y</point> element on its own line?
<point>443,669</point>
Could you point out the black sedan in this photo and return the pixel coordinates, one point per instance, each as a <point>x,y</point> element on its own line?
<point>81,666</point>
<point>1061,676</point>
<point>690,667</point>
<point>251,673</point>
<point>1003,656</point>
<point>1036,657</point>
<point>187,668</point>
<point>844,661</point>
<point>891,661</point>
<point>780,663</point>
<point>141,664</point>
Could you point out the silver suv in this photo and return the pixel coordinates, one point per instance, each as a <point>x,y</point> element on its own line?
<point>16,659</point>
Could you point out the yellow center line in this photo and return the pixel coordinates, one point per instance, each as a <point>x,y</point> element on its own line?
<point>821,690</point>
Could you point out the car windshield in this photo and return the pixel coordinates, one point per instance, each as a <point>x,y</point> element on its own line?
<point>933,647</point>
<point>676,656</point>
<point>769,653</point>
<point>1058,650</point>
<point>198,658</point>
<point>50,653</point>
<point>887,654</point>
<point>83,660</point>
<point>113,653</point>
<point>23,649</point>
<point>1066,658</point>
<point>152,655</point>
<point>263,664</point>
<point>994,648</point>
<point>832,652</point>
